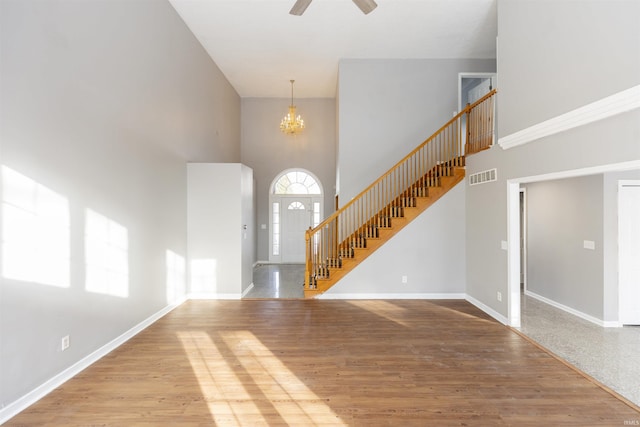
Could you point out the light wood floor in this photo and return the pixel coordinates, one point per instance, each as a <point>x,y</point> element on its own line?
<point>313,362</point>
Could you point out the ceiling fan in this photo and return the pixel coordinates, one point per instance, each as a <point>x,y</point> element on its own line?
<point>300,6</point>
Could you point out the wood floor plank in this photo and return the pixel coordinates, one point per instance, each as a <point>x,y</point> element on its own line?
<point>322,362</point>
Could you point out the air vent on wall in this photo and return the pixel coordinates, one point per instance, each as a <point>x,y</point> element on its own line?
<point>484,176</point>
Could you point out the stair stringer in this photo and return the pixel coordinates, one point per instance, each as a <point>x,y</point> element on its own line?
<point>385,234</point>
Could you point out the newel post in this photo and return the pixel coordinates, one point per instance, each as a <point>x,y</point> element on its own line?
<point>307,264</point>
<point>467,142</point>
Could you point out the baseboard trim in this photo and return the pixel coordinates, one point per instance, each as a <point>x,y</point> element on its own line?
<point>14,408</point>
<point>41,391</point>
<point>392,296</point>
<point>578,313</point>
<point>203,296</point>
<point>618,103</point>
<point>611,324</point>
<point>490,311</point>
<point>246,291</point>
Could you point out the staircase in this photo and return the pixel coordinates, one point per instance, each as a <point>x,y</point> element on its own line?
<point>352,233</point>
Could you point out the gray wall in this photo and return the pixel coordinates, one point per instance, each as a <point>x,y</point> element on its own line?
<point>561,214</point>
<point>558,35</point>
<point>555,56</point>
<point>268,151</point>
<point>103,102</point>
<point>430,251</point>
<point>388,107</point>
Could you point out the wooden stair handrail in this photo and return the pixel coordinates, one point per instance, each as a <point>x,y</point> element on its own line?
<point>464,111</point>
<point>426,169</point>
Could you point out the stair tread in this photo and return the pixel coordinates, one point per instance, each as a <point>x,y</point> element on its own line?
<point>377,234</point>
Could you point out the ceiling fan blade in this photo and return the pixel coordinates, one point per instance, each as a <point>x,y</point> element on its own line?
<point>366,6</point>
<point>299,8</point>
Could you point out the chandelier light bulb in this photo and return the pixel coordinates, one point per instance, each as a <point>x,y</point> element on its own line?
<point>292,124</point>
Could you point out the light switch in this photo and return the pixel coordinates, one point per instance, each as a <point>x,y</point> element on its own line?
<point>503,245</point>
<point>589,244</point>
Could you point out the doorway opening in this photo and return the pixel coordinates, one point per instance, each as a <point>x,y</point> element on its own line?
<point>514,255</point>
<point>295,204</point>
<point>472,87</point>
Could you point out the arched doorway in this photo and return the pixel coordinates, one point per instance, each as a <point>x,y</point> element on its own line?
<point>295,204</point>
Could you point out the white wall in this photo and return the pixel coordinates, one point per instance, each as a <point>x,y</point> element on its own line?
<point>103,102</point>
<point>540,44</point>
<point>249,233</point>
<point>268,151</point>
<point>220,248</point>
<point>389,107</point>
<point>430,251</point>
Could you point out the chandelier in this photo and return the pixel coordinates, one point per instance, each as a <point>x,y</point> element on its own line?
<point>292,124</point>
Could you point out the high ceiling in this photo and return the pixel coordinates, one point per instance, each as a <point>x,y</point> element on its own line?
<point>259,46</point>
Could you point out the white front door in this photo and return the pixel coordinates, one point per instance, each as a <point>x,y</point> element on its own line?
<point>296,204</point>
<point>297,217</point>
<point>629,253</point>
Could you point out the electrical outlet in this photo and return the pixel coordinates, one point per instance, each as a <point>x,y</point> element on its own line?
<point>65,343</point>
<point>499,296</point>
<point>404,279</point>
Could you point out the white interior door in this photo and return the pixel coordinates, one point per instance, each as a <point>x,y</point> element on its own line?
<point>296,219</point>
<point>523,239</point>
<point>629,253</point>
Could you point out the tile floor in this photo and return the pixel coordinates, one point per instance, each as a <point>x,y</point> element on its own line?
<point>610,355</point>
<point>277,281</point>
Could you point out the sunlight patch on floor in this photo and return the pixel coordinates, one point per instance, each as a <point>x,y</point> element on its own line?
<point>221,389</point>
<point>384,309</point>
<point>243,382</point>
<point>294,401</point>
<point>467,315</point>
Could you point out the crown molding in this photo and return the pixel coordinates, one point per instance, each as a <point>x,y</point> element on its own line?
<point>618,103</point>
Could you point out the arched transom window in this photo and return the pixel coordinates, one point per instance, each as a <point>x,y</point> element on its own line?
<point>296,182</point>
<point>295,197</point>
